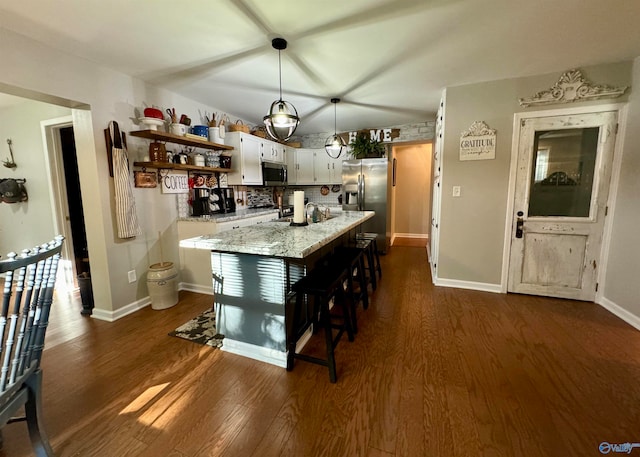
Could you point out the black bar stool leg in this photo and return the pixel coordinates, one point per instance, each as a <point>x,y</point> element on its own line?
<point>325,320</point>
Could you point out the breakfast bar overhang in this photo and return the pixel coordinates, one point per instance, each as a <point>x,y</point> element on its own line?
<point>253,269</point>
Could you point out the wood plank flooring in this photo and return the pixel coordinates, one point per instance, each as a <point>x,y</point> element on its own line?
<point>432,372</point>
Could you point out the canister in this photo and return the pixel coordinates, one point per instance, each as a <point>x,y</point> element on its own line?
<point>163,285</point>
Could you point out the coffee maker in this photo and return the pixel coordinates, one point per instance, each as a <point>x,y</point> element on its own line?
<point>201,202</point>
<point>225,196</point>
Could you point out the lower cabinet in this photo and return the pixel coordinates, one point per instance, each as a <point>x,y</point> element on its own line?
<point>195,264</point>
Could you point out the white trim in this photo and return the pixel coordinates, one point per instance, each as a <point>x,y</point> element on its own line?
<point>620,312</point>
<point>615,173</point>
<point>53,162</point>
<point>607,230</point>
<point>262,354</point>
<point>197,288</point>
<point>412,235</point>
<point>482,286</point>
<point>111,316</point>
<point>434,239</point>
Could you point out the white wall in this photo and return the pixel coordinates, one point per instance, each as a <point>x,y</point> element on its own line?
<point>30,223</point>
<point>472,226</point>
<point>622,287</point>
<point>100,95</point>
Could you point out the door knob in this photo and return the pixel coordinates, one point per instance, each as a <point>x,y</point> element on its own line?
<point>519,224</point>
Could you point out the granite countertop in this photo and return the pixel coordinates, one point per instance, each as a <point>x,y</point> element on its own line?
<point>279,239</point>
<point>239,214</point>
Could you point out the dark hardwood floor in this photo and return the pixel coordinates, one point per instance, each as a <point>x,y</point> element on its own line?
<point>432,372</point>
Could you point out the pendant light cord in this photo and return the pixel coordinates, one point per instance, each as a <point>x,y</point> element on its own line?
<point>280,73</point>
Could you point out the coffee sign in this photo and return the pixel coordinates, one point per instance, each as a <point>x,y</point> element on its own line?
<point>175,182</point>
<point>478,142</point>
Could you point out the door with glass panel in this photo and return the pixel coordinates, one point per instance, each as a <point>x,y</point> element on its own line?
<point>562,185</point>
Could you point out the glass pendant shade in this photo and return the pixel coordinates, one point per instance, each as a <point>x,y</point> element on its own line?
<point>335,144</point>
<point>283,118</point>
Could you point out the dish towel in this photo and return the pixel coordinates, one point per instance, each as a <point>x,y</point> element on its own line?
<point>126,217</point>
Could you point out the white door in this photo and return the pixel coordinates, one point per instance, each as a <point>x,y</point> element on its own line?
<point>562,185</point>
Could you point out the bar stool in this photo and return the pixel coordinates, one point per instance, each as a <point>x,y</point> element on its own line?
<point>374,242</point>
<point>366,246</point>
<point>353,256</point>
<point>322,284</point>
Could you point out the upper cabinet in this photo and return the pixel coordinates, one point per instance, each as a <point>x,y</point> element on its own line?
<point>246,162</point>
<point>327,170</point>
<point>300,166</point>
<point>313,166</point>
<point>273,152</point>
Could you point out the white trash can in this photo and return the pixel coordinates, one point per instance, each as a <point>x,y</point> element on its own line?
<point>163,285</point>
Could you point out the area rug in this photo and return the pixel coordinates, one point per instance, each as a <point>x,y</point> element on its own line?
<point>201,329</point>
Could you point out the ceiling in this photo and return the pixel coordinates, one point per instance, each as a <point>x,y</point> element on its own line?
<point>388,60</point>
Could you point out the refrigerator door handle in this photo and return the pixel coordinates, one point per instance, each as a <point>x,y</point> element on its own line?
<point>361,198</point>
<point>359,192</point>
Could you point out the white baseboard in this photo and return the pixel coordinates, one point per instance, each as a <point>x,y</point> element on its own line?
<point>111,316</point>
<point>411,235</point>
<point>483,286</point>
<point>260,353</point>
<point>200,289</point>
<point>619,311</point>
<point>254,352</point>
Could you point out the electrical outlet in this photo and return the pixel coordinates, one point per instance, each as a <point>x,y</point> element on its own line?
<point>132,276</point>
<point>456,191</point>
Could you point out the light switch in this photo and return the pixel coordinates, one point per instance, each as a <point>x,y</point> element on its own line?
<point>456,191</point>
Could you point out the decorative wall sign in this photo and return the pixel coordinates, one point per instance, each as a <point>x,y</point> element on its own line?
<point>175,182</point>
<point>478,142</point>
<point>379,135</point>
<point>572,87</point>
<point>148,179</point>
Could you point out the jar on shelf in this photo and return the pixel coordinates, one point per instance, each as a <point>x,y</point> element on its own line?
<point>212,159</point>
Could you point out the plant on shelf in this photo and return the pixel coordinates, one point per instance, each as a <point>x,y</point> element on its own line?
<point>363,148</point>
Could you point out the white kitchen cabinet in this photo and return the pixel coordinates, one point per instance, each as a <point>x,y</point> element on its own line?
<point>300,166</point>
<point>195,264</point>
<point>327,170</point>
<point>273,152</point>
<point>245,222</point>
<point>246,161</point>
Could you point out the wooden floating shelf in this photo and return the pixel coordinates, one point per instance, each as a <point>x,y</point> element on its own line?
<point>172,138</point>
<point>179,166</point>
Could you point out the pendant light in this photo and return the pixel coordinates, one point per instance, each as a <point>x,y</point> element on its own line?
<point>283,118</point>
<point>335,145</point>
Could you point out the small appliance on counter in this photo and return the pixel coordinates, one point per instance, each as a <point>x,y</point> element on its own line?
<point>225,199</point>
<point>200,202</point>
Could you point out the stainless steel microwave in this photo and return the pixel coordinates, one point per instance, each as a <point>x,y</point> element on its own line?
<point>274,174</point>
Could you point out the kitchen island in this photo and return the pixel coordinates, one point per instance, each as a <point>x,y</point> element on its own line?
<point>253,270</point>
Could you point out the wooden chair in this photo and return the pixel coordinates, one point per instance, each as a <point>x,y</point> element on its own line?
<point>29,281</point>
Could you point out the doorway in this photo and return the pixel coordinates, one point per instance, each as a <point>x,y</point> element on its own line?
<point>67,198</point>
<point>411,194</point>
<point>562,181</point>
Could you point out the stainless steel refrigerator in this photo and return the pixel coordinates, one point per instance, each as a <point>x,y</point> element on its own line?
<point>366,185</point>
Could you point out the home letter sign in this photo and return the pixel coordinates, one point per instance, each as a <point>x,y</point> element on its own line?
<point>478,142</point>
<point>379,135</point>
